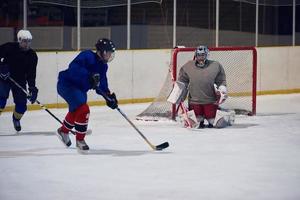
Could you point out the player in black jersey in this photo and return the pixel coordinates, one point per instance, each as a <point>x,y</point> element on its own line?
<point>18,61</point>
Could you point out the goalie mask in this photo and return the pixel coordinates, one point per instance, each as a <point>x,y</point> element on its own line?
<point>24,39</point>
<point>201,55</point>
<point>105,49</point>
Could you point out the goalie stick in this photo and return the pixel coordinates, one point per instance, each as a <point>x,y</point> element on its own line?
<point>188,115</point>
<point>177,96</point>
<point>89,131</point>
<point>156,148</point>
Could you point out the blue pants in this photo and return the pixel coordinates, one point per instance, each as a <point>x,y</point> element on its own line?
<point>73,96</point>
<point>20,98</point>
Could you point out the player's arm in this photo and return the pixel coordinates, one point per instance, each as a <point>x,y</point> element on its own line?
<point>221,86</point>
<point>30,78</point>
<point>102,89</point>
<point>4,68</point>
<point>183,77</point>
<point>31,72</point>
<point>221,77</point>
<point>3,50</point>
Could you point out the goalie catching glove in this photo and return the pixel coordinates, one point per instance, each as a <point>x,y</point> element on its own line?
<point>221,94</point>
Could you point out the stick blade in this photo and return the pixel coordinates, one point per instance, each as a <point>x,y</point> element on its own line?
<point>162,146</point>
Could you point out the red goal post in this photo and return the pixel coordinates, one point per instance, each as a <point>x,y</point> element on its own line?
<point>240,65</point>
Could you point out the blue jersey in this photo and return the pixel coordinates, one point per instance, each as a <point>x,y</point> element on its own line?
<point>80,70</point>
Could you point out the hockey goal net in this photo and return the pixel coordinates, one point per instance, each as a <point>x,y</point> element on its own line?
<point>240,65</point>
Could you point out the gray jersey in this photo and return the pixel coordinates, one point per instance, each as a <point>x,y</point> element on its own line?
<point>200,80</point>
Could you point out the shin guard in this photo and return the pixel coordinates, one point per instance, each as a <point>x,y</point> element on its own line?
<point>81,121</point>
<point>68,123</point>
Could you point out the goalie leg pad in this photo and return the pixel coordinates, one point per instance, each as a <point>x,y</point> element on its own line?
<point>224,119</point>
<point>192,120</point>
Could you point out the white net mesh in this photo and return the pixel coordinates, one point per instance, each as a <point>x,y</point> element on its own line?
<point>240,68</point>
<point>160,108</point>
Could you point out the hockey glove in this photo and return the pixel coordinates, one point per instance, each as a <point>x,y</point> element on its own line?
<point>4,70</point>
<point>95,80</point>
<point>221,94</point>
<point>33,92</point>
<point>111,101</point>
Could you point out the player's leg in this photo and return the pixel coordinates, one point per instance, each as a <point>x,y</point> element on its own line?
<point>69,95</point>
<point>224,118</point>
<point>210,113</point>
<point>81,124</point>
<point>20,100</point>
<point>199,112</point>
<point>4,94</point>
<point>75,99</point>
<point>63,131</point>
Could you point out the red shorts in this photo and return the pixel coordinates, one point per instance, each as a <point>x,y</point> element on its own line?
<point>206,110</point>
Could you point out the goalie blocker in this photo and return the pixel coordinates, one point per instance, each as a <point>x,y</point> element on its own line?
<point>178,93</point>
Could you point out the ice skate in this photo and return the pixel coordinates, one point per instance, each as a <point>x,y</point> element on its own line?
<point>82,146</point>
<point>17,124</point>
<point>201,125</point>
<point>210,126</point>
<point>64,138</point>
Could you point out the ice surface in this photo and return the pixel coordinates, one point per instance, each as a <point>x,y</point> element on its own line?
<point>258,158</point>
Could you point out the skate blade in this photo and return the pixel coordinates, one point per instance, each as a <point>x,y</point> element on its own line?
<point>83,152</point>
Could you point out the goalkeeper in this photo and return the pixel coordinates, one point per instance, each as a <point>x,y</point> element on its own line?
<point>206,83</point>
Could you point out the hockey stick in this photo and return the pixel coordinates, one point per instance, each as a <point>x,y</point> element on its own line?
<point>42,106</point>
<point>157,148</point>
<point>184,111</point>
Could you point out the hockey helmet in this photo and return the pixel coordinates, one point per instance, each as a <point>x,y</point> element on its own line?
<point>106,48</point>
<point>24,39</point>
<point>202,50</point>
<point>24,35</point>
<point>201,54</point>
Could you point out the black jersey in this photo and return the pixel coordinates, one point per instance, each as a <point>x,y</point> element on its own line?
<point>22,64</point>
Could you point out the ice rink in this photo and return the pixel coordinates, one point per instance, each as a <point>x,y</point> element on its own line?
<point>258,158</point>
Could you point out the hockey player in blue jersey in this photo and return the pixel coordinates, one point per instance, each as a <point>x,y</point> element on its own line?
<point>87,71</point>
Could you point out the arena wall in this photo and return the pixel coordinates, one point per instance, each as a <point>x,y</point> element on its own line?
<point>137,75</point>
